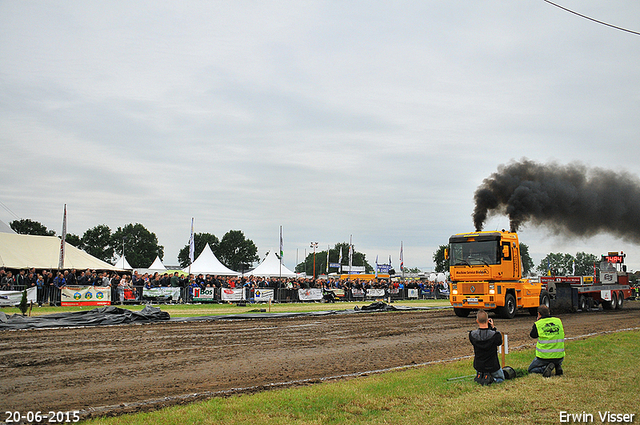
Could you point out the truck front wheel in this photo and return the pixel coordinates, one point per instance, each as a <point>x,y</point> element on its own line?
<point>461,312</point>
<point>509,309</point>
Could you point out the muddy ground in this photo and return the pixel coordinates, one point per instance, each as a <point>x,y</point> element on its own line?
<point>118,369</point>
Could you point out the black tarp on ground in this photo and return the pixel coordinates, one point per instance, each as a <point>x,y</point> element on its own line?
<point>97,317</point>
<point>119,316</point>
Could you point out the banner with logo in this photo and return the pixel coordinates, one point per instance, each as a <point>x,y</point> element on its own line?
<point>263,295</point>
<point>85,295</point>
<point>9,298</point>
<point>206,294</point>
<point>232,294</point>
<point>412,293</point>
<point>162,292</point>
<point>310,294</point>
<point>375,292</point>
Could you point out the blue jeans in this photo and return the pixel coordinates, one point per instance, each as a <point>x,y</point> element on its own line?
<point>498,376</point>
<point>538,365</point>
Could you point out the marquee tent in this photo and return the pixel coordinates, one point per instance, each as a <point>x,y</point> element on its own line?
<point>157,265</point>
<point>207,263</point>
<point>123,264</point>
<point>43,252</point>
<point>270,267</point>
<point>4,228</point>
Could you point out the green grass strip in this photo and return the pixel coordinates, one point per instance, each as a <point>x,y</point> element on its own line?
<point>600,375</point>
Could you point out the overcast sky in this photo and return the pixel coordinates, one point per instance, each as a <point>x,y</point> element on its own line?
<point>372,119</point>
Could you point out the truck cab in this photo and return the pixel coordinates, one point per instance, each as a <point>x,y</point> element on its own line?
<point>486,272</point>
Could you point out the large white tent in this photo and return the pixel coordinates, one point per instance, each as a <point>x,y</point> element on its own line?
<point>157,265</point>
<point>43,252</point>
<point>208,263</point>
<point>123,264</point>
<point>270,267</point>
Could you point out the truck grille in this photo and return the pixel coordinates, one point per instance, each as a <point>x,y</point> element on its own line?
<point>471,288</point>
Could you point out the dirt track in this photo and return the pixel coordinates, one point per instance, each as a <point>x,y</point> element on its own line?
<point>113,368</point>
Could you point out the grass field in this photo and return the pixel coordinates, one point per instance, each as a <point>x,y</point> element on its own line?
<point>600,376</point>
<point>187,310</point>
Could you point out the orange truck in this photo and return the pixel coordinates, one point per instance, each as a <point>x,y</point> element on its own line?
<point>485,271</point>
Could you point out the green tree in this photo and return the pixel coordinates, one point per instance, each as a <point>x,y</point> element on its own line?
<point>98,242</point>
<point>74,240</point>
<point>140,245</point>
<point>585,264</point>
<point>358,259</point>
<point>557,264</point>
<point>27,226</point>
<point>237,252</point>
<point>527,262</point>
<point>200,240</point>
<point>442,264</point>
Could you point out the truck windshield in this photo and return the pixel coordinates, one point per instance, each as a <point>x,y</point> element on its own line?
<point>474,253</point>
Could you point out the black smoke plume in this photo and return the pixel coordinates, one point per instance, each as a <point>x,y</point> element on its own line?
<point>568,199</point>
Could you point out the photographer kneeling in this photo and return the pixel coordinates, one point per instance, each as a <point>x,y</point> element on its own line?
<point>486,340</point>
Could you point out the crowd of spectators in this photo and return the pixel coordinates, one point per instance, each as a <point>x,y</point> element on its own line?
<point>50,282</point>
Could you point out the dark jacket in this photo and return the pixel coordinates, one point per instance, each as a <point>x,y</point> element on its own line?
<point>485,346</point>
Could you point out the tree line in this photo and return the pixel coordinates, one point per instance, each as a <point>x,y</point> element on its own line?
<point>140,246</point>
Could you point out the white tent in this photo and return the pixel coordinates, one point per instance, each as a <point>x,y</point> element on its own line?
<point>270,267</point>
<point>207,263</point>
<point>4,228</point>
<point>157,265</point>
<point>123,264</point>
<point>43,252</point>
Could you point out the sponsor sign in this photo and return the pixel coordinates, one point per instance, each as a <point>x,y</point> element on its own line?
<point>85,295</point>
<point>412,293</point>
<point>263,294</point>
<point>375,292</point>
<point>334,265</point>
<point>310,294</point>
<point>384,268</point>
<point>10,298</point>
<point>206,294</point>
<point>232,294</point>
<point>357,293</point>
<point>162,292</point>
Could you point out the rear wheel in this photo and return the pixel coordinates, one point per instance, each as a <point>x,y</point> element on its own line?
<point>610,305</point>
<point>620,302</point>
<point>582,303</point>
<point>461,312</point>
<point>509,309</point>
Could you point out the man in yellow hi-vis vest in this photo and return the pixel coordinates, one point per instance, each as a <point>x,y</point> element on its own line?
<point>550,346</point>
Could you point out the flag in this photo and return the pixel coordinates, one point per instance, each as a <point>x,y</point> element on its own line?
<point>340,259</point>
<point>350,252</point>
<point>548,267</point>
<point>401,258</point>
<point>192,245</point>
<point>281,245</point>
<point>376,266</point>
<point>328,248</point>
<point>64,238</point>
<point>574,267</point>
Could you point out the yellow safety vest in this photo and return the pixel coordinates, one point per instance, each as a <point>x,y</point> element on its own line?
<point>550,338</point>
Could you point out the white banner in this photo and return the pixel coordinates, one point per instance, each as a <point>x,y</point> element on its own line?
<point>86,295</point>
<point>206,294</point>
<point>311,294</point>
<point>412,293</point>
<point>174,293</point>
<point>232,294</point>
<point>11,298</point>
<point>263,294</point>
<point>607,278</point>
<point>375,292</point>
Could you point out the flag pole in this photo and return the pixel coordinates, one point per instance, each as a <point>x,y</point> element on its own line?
<point>192,246</point>
<point>63,239</point>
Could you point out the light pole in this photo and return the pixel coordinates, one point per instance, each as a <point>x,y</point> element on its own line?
<point>314,245</point>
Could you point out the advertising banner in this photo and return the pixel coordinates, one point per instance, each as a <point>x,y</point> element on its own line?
<point>375,292</point>
<point>10,298</point>
<point>206,294</point>
<point>357,293</point>
<point>263,295</point>
<point>232,294</point>
<point>85,295</point>
<point>162,292</point>
<point>412,293</point>
<point>310,294</point>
